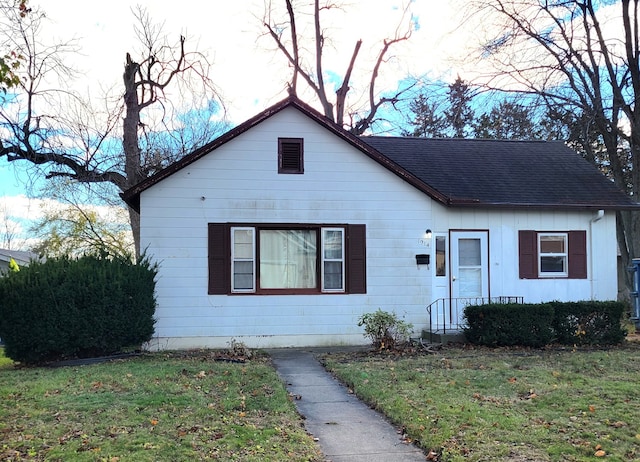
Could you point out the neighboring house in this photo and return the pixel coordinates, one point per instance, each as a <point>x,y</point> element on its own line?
<point>286,229</point>
<point>22,258</point>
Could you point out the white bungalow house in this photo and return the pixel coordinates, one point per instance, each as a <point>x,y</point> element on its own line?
<point>286,229</point>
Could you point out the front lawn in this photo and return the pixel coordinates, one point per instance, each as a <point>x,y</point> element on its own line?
<point>4,361</point>
<point>467,404</point>
<point>164,406</point>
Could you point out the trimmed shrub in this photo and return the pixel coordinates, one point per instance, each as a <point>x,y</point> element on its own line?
<point>502,324</point>
<point>589,322</point>
<point>68,308</point>
<point>385,330</point>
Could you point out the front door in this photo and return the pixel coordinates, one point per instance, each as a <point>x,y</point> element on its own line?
<point>469,279</point>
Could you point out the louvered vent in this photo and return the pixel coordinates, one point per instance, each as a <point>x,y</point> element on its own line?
<point>290,155</point>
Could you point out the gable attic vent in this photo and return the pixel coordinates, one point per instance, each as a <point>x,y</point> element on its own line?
<point>290,155</point>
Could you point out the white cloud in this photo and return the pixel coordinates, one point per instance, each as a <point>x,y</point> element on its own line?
<point>21,207</point>
<point>250,73</point>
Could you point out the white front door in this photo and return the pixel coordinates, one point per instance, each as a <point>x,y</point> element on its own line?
<point>469,279</point>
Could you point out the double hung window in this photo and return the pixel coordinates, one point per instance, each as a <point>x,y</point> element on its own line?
<point>552,254</point>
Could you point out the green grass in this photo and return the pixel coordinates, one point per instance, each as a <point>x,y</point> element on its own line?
<point>510,405</point>
<point>154,407</point>
<point>4,361</point>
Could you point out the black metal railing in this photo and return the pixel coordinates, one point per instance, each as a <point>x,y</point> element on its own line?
<point>446,314</point>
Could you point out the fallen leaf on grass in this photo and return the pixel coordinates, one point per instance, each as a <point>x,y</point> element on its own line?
<point>600,453</point>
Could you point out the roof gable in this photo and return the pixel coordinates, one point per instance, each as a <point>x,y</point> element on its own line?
<point>132,195</point>
<point>455,172</point>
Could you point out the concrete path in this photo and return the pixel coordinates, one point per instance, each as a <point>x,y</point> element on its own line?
<point>347,429</point>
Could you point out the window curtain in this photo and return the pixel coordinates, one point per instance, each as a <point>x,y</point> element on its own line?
<point>288,259</point>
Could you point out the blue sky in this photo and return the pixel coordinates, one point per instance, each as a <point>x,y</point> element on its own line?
<point>12,179</point>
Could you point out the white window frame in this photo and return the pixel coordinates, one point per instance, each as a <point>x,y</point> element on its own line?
<point>323,232</point>
<point>234,259</point>
<point>255,258</point>
<point>565,255</point>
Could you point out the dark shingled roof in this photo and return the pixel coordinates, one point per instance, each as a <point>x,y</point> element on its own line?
<point>503,173</point>
<point>454,172</point>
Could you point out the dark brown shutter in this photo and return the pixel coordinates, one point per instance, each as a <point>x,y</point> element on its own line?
<point>357,259</point>
<point>219,259</point>
<point>528,254</point>
<point>577,254</point>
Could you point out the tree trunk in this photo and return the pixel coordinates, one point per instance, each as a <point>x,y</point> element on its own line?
<point>130,144</point>
<point>134,219</point>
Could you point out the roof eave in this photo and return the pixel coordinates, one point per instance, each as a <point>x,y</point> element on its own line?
<point>457,203</point>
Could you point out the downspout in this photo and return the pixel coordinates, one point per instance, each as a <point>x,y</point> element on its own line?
<point>598,216</point>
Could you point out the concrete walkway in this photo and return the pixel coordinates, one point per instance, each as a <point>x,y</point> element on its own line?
<point>347,429</point>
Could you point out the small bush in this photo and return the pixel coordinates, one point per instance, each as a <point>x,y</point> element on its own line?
<point>509,324</point>
<point>589,322</point>
<point>385,330</point>
<point>91,306</point>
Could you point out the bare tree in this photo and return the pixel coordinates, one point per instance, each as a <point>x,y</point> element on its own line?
<point>9,230</point>
<point>55,128</point>
<point>580,56</point>
<point>312,71</point>
<point>10,60</point>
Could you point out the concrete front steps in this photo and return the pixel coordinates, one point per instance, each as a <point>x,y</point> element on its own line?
<point>442,338</point>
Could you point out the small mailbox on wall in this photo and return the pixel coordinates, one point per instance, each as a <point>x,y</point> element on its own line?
<point>422,259</point>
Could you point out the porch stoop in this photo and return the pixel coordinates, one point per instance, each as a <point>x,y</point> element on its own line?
<point>442,338</point>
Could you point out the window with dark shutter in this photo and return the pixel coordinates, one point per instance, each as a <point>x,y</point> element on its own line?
<point>248,258</point>
<point>290,155</point>
<point>536,248</point>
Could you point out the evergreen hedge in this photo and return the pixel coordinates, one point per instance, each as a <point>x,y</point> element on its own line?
<point>94,305</point>
<point>589,322</point>
<point>509,324</point>
<point>536,325</point>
